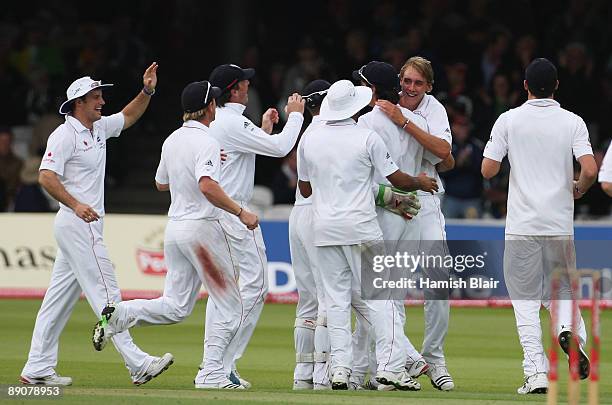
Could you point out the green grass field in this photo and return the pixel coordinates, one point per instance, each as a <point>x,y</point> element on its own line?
<point>482,349</point>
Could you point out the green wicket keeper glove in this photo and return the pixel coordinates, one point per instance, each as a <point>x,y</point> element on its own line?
<point>403,203</point>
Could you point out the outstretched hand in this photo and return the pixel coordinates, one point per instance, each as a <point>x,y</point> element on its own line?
<point>149,78</point>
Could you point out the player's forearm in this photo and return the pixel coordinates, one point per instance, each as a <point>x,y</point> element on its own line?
<point>446,165</point>
<point>49,181</point>
<point>285,140</point>
<point>217,197</point>
<point>404,181</point>
<point>435,145</point>
<point>134,110</point>
<point>588,173</point>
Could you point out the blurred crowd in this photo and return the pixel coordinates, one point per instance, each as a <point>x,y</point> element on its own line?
<point>478,48</point>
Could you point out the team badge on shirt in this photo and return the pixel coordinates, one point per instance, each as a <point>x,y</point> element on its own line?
<point>209,163</point>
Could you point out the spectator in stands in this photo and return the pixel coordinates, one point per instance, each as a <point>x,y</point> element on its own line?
<point>577,92</point>
<point>463,187</point>
<point>285,181</point>
<point>30,196</point>
<point>10,167</point>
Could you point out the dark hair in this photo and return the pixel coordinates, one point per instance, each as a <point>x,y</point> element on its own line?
<point>540,92</point>
<point>391,95</point>
<point>70,105</point>
<point>225,96</point>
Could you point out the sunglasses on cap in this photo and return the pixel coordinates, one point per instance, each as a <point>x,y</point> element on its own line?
<point>360,73</point>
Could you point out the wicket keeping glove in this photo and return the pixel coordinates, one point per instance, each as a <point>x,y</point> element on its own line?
<point>403,203</point>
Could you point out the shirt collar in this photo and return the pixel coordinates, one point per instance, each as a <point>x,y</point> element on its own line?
<point>76,124</point>
<point>195,124</point>
<point>316,118</point>
<point>543,102</point>
<point>237,107</point>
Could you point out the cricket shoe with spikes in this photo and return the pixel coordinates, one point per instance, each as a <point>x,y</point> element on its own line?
<point>584,365</point>
<point>101,333</point>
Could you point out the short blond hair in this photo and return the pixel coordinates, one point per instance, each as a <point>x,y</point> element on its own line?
<point>421,65</point>
<point>196,115</point>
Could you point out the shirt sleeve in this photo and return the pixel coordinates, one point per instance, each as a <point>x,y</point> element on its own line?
<point>60,148</point>
<point>497,147</point>
<point>112,125</point>
<point>581,145</point>
<point>438,124</point>
<point>244,136</point>
<point>161,175</point>
<point>302,164</point>
<point>379,155</point>
<point>605,172</point>
<point>208,161</point>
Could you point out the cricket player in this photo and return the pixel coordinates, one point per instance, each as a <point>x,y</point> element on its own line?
<point>310,333</point>
<point>416,79</point>
<point>605,172</point>
<point>539,138</point>
<point>72,171</point>
<point>337,165</point>
<point>242,141</point>
<point>196,250</point>
<point>398,231</point>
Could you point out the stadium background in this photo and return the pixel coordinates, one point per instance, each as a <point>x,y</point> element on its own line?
<point>478,49</point>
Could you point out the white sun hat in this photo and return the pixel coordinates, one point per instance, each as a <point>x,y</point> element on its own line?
<point>344,100</point>
<point>79,88</point>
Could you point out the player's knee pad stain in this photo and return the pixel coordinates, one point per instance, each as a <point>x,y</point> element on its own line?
<point>212,273</point>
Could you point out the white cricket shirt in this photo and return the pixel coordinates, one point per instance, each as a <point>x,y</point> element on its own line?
<point>405,151</point>
<point>189,154</point>
<point>78,156</point>
<point>605,171</point>
<point>316,123</point>
<point>539,138</point>
<point>339,160</point>
<point>242,140</point>
<point>437,125</point>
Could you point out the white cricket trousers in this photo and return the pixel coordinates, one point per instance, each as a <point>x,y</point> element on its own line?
<point>437,311</point>
<point>248,246</point>
<point>529,262</point>
<point>310,333</point>
<point>341,275</point>
<point>82,265</point>
<point>400,235</point>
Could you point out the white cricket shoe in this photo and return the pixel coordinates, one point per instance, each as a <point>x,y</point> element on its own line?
<point>534,384</point>
<point>235,375</point>
<point>402,381</point>
<point>222,385</point>
<point>52,379</point>
<point>340,379</point>
<point>300,385</point>
<point>417,369</point>
<point>157,366</point>
<point>440,377</point>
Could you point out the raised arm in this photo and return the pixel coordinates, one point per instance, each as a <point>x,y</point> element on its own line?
<point>134,110</point>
